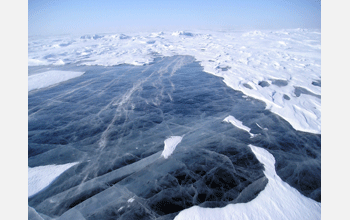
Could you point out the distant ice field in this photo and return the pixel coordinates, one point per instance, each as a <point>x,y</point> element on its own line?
<point>152,140</point>
<point>281,68</point>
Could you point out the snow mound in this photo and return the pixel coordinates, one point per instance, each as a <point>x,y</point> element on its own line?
<point>182,33</point>
<point>170,145</point>
<point>52,77</point>
<point>42,176</point>
<point>277,201</point>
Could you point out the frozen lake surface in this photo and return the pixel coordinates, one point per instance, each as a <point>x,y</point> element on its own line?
<point>281,68</point>
<point>149,141</point>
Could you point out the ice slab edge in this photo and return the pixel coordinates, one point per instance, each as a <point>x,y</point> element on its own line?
<point>60,203</point>
<point>277,201</point>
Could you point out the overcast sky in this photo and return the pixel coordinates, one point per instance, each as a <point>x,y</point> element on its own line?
<point>47,17</point>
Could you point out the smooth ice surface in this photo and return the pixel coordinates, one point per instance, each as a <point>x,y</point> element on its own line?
<point>170,145</point>
<point>238,124</point>
<point>282,59</point>
<point>41,176</point>
<point>277,201</point>
<point>52,77</point>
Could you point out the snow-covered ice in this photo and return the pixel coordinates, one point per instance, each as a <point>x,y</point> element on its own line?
<point>170,145</point>
<point>238,124</point>
<point>277,201</point>
<point>41,176</point>
<point>117,122</point>
<point>266,65</point>
<point>48,78</point>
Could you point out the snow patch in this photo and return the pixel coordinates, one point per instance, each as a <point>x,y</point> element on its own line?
<point>170,145</point>
<point>52,77</point>
<point>42,176</point>
<point>238,124</point>
<point>277,201</point>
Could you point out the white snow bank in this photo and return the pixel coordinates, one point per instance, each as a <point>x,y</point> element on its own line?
<point>243,60</point>
<point>41,176</point>
<point>277,201</point>
<point>52,77</point>
<point>170,145</point>
<point>238,124</point>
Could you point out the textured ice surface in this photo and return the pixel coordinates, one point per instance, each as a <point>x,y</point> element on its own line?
<point>266,65</point>
<point>277,201</point>
<point>52,77</point>
<point>115,120</point>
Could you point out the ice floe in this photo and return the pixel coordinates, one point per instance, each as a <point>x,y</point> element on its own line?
<point>277,201</point>
<point>270,66</point>
<point>41,176</point>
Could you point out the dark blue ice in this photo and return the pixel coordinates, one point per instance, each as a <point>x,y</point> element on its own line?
<point>114,120</point>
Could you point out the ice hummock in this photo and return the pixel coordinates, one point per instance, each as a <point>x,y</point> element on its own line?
<point>277,201</point>
<point>49,78</point>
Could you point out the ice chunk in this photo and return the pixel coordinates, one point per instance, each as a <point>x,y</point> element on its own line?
<point>52,77</point>
<point>170,145</point>
<point>277,201</point>
<point>41,176</point>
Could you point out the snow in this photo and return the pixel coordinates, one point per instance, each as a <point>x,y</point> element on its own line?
<point>240,58</point>
<point>265,129</point>
<point>42,176</point>
<point>48,78</point>
<point>238,124</point>
<point>170,145</point>
<point>277,201</point>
